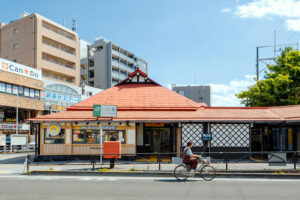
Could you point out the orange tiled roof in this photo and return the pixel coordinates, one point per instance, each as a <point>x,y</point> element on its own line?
<point>138,98</point>
<point>202,114</point>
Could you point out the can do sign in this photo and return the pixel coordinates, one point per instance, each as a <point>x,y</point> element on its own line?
<point>23,70</point>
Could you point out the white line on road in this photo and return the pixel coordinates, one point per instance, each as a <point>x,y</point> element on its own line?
<point>103,178</point>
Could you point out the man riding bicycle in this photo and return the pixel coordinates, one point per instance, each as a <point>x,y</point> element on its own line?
<point>189,158</point>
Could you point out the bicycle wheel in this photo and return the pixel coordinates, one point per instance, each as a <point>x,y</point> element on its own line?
<point>181,172</point>
<point>208,172</point>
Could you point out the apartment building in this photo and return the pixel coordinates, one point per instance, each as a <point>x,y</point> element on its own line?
<point>199,93</point>
<point>106,64</point>
<point>38,42</point>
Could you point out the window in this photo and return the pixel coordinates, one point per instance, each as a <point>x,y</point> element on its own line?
<point>59,139</point>
<point>31,93</point>
<point>181,92</point>
<point>78,136</point>
<point>8,88</point>
<point>36,94</point>
<point>26,92</point>
<point>16,31</point>
<point>114,135</point>
<point>15,89</point>
<point>16,46</point>
<point>2,87</point>
<point>21,90</point>
<point>92,136</point>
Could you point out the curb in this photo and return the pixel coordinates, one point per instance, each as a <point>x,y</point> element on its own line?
<point>164,174</point>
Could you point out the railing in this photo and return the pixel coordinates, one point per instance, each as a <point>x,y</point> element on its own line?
<point>222,161</point>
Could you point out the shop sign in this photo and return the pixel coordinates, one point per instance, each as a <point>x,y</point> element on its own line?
<point>19,139</point>
<point>206,137</point>
<point>2,140</point>
<point>95,127</point>
<point>19,69</point>
<point>53,129</point>
<point>14,126</point>
<point>104,111</point>
<point>155,124</point>
<point>10,119</point>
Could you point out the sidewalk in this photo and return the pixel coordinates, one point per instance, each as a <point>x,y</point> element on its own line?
<point>232,167</point>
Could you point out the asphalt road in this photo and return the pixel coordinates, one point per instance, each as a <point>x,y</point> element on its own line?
<point>73,188</point>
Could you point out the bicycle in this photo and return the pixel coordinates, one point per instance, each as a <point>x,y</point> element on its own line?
<point>207,172</point>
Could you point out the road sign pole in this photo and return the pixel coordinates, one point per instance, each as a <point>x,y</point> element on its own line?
<point>101,146</point>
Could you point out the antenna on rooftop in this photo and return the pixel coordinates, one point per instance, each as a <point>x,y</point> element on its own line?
<point>74,26</point>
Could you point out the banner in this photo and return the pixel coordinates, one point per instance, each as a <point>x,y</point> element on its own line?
<point>24,127</point>
<point>19,69</point>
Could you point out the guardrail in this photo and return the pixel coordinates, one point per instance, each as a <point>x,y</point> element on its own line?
<point>216,158</point>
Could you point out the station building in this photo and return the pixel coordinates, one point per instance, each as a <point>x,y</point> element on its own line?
<point>151,118</point>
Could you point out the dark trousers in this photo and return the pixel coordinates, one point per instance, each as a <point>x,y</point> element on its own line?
<point>192,162</point>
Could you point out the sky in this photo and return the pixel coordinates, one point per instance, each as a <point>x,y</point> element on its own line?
<point>185,42</point>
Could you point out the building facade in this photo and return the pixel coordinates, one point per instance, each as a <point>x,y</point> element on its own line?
<point>57,97</point>
<point>40,43</point>
<point>20,90</point>
<point>152,119</point>
<point>106,64</point>
<point>200,93</point>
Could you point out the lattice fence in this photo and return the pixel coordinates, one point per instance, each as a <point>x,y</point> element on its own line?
<point>230,135</point>
<point>192,132</point>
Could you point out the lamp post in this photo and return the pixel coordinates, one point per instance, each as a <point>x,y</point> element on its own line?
<point>17,117</point>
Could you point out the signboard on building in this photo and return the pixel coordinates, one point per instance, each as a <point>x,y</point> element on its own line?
<point>104,111</point>
<point>206,137</point>
<point>53,129</point>
<point>4,126</point>
<point>8,66</point>
<point>2,140</point>
<point>19,139</point>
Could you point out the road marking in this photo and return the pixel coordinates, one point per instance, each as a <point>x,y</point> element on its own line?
<point>5,172</point>
<point>103,178</point>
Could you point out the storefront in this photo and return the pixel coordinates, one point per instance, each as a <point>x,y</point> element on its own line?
<point>84,138</point>
<point>153,119</point>
<point>20,88</point>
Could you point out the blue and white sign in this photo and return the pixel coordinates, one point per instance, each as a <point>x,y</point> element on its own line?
<point>48,94</point>
<point>53,95</point>
<point>59,97</point>
<point>206,137</point>
<point>65,98</point>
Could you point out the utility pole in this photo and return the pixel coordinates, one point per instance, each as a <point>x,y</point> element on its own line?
<point>271,59</point>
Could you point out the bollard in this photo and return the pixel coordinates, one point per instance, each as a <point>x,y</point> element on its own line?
<point>112,163</point>
<point>295,160</point>
<point>27,164</point>
<point>93,165</point>
<point>226,160</point>
<point>158,161</point>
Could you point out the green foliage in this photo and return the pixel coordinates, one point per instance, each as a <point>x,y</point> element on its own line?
<point>281,85</point>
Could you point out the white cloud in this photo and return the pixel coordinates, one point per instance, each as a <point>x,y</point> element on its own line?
<point>226,10</point>
<point>266,8</point>
<point>293,24</point>
<point>289,10</point>
<point>224,94</point>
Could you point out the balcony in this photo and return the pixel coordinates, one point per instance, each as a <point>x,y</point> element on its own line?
<point>115,74</point>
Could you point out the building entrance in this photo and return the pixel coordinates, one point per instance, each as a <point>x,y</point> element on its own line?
<point>157,140</point>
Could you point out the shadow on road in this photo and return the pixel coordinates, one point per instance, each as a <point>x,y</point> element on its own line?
<point>176,181</point>
<point>11,161</point>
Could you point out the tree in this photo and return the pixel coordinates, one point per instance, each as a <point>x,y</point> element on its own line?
<point>281,85</point>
